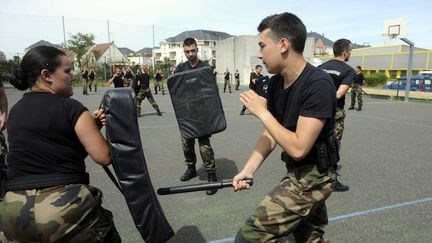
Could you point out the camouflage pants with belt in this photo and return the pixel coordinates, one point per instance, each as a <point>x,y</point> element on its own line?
<point>340,123</point>
<point>142,94</point>
<point>71,213</point>
<point>128,82</point>
<point>206,152</point>
<point>356,91</point>
<point>295,208</point>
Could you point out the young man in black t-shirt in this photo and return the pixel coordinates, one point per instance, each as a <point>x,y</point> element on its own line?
<point>298,113</point>
<point>117,79</point>
<point>227,81</point>
<point>191,50</point>
<point>342,75</point>
<point>84,76</point>
<point>237,79</point>
<point>357,89</point>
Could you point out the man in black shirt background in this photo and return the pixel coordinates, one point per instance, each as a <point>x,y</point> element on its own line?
<point>142,80</point>
<point>117,79</point>
<point>191,51</point>
<point>356,89</point>
<point>342,75</point>
<point>252,79</point>
<point>227,81</point>
<point>84,75</point>
<point>237,79</point>
<point>298,115</point>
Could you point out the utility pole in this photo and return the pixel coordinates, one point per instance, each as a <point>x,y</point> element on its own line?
<point>109,42</point>
<point>64,33</point>
<point>153,60</point>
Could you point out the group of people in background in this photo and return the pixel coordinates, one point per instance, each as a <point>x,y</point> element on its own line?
<point>88,77</point>
<point>139,82</point>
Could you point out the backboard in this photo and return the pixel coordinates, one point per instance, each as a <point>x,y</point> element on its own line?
<point>395,28</point>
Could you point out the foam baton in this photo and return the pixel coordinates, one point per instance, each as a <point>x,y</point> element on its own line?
<point>198,187</point>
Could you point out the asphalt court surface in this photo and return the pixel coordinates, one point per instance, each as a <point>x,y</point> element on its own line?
<point>385,158</point>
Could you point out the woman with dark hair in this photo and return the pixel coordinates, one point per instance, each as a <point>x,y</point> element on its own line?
<point>48,198</point>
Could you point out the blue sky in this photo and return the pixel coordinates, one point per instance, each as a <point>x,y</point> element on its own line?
<point>24,22</point>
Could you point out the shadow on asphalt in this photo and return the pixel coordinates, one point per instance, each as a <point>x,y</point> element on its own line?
<point>225,169</point>
<point>188,233</point>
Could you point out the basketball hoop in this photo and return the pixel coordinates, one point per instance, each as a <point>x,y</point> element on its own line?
<point>392,36</point>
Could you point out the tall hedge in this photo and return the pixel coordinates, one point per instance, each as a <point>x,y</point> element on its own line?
<point>375,79</point>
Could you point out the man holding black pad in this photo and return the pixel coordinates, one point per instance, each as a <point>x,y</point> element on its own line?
<point>191,50</point>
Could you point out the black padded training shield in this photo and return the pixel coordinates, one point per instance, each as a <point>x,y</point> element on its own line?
<point>261,86</point>
<point>130,167</point>
<point>196,101</point>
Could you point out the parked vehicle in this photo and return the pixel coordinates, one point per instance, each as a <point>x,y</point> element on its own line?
<point>418,83</point>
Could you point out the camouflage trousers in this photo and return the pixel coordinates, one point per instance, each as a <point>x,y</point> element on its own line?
<point>92,83</point>
<point>356,91</point>
<point>85,85</point>
<point>340,123</point>
<point>227,82</point>
<point>128,82</point>
<point>295,208</point>
<point>142,94</point>
<point>159,86</point>
<point>206,152</point>
<point>71,213</point>
<point>237,84</point>
<point>3,151</point>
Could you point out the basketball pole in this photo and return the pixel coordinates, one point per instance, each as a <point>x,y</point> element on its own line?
<point>409,71</point>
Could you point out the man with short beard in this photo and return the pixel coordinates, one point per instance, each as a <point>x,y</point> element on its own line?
<point>342,75</point>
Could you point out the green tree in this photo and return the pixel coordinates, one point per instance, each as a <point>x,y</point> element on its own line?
<point>79,44</point>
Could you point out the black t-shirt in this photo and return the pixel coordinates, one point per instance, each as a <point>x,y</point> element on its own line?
<point>237,75</point>
<point>253,76</point>
<point>91,75</point>
<point>341,73</point>
<point>118,82</point>
<point>144,80</point>
<point>358,78</point>
<point>227,76</point>
<point>186,66</point>
<point>311,95</point>
<point>158,77</point>
<point>41,136</point>
<point>84,74</point>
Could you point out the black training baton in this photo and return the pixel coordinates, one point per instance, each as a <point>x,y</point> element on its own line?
<point>198,187</point>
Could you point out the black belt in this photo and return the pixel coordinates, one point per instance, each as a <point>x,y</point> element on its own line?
<point>45,180</point>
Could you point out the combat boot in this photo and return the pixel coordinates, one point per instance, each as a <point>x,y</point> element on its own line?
<point>339,187</point>
<point>189,173</point>
<point>351,108</point>
<point>159,113</point>
<point>359,108</point>
<point>211,178</point>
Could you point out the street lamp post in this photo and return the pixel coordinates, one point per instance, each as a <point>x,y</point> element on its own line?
<point>409,71</point>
